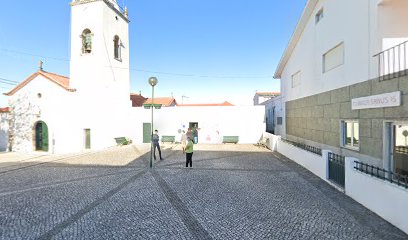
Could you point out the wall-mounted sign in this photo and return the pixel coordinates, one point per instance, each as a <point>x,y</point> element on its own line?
<point>392,99</point>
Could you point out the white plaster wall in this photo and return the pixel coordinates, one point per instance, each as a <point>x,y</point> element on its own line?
<point>385,199</point>
<point>362,33</point>
<point>4,127</point>
<point>247,122</point>
<point>313,162</point>
<point>272,141</point>
<point>391,18</point>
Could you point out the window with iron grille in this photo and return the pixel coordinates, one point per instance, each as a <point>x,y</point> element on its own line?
<point>350,134</point>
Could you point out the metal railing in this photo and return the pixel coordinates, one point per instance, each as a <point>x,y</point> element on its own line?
<point>395,178</point>
<point>337,169</point>
<point>306,147</point>
<point>401,149</point>
<point>393,62</point>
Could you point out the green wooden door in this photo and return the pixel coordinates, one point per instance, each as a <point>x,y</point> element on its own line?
<point>41,136</point>
<point>87,133</point>
<point>147,131</point>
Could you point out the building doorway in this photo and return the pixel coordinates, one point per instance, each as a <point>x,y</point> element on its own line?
<point>41,136</point>
<point>194,128</point>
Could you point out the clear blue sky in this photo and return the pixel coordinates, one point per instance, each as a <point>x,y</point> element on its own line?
<point>210,51</point>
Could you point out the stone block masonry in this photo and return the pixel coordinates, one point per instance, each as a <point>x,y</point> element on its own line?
<point>317,118</point>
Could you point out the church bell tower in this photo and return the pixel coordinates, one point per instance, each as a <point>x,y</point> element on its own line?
<point>99,67</point>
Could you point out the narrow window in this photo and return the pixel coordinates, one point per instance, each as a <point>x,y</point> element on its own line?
<point>319,16</point>
<point>116,46</point>
<point>296,79</point>
<point>86,41</point>
<point>350,134</point>
<point>333,58</point>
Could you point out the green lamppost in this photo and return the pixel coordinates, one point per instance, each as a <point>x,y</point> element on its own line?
<point>153,82</point>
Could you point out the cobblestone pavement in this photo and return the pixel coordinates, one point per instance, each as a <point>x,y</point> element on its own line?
<point>232,192</point>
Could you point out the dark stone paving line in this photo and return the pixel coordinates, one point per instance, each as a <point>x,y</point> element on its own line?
<point>192,224</point>
<point>226,169</point>
<point>58,183</point>
<point>206,159</point>
<point>42,163</point>
<point>382,229</point>
<point>26,159</point>
<point>61,226</point>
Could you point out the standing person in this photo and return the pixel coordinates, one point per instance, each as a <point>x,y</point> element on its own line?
<point>189,152</point>
<point>183,140</point>
<point>195,134</point>
<point>155,139</point>
<point>189,133</point>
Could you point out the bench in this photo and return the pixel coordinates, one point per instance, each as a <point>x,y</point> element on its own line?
<point>171,139</point>
<point>230,139</point>
<point>122,141</point>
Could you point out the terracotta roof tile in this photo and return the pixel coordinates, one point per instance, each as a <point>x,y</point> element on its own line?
<point>164,101</point>
<point>137,100</point>
<point>55,78</point>
<point>4,110</point>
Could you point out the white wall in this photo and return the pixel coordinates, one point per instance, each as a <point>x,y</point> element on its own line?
<point>385,199</point>
<point>247,122</point>
<point>314,163</point>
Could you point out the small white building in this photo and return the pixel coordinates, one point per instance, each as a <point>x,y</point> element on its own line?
<point>274,115</point>
<point>261,97</point>
<point>344,80</point>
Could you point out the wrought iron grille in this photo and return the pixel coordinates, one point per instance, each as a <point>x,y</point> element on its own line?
<point>393,62</point>
<point>401,149</point>
<point>336,168</point>
<point>395,178</point>
<point>306,147</point>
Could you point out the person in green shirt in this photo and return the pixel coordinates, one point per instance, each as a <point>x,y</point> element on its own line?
<point>189,152</point>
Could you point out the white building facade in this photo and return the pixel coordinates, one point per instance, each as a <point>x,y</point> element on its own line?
<point>346,61</point>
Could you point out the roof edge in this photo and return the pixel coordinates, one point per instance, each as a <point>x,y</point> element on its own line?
<point>300,27</point>
<point>32,77</point>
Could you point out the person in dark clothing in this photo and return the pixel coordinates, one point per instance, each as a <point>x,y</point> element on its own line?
<point>156,139</point>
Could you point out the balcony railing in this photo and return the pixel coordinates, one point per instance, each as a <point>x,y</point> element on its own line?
<point>393,62</point>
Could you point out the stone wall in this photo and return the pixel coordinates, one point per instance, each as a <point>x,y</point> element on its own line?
<point>317,118</point>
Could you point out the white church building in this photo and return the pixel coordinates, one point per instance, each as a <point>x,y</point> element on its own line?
<point>56,114</point>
